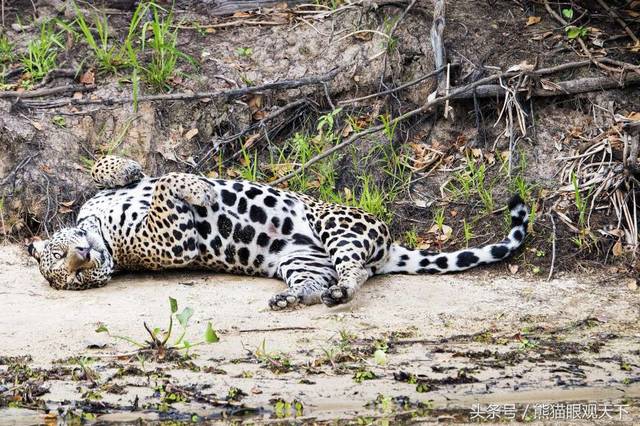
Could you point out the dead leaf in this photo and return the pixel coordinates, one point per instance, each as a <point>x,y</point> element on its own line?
<point>635,116</point>
<point>542,36</point>
<point>513,269</point>
<point>248,143</point>
<point>256,390</point>
<point>549,85</point>
<point>632,284</point>
<point>37,125</point>
<point>89,77</point>
<point>190,134</point>
<point>65,206</point>
<point>617,248</point>
<point>347,130</point>
<point>532,20</point>
<point>241,15</point>
<point>443,234</point>
<point>363,36</point>
<point>255,103</point>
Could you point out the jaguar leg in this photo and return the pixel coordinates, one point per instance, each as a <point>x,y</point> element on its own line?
<point>307,275</point>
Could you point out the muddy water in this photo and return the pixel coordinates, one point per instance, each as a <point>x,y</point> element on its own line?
<point>454,345</point>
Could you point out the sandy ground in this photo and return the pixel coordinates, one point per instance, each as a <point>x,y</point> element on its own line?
<point>450,342</point>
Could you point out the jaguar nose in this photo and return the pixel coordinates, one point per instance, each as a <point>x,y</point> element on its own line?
<point>83,252</point>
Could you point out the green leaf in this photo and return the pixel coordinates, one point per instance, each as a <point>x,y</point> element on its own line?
<point>380,357</point>
<point>210,335</point>
<point>186,344</point>
<point>174,305</point>
<point>102,329</point>
<point>183,317</point>
<point>567,13</point>
<point>573,32</point>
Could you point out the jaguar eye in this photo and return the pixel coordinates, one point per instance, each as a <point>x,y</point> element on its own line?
<point>57,255</point>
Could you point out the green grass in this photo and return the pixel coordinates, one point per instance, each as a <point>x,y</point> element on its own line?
<point>372,199</point>
<point>584,238</point>
<point>438,219</point>
<point>580,202</point>
<point>164,51</point>
<point>473,180</point>
<point>7,54</point>
<point>42,53</point>
<point>249,165</point>
<point>410,238</point>
<point>467,231</point>
<point>109,58</point>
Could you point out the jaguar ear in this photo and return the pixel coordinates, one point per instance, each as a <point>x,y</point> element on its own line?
<point>35,248</point>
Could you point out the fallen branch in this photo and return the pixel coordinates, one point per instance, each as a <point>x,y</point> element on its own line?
<point>71,88</point>
<point>437,42</point>
<point>620,21</point>
<point>396,89</point>
<point>571,87</point>
<point>264,330</point>
<point>225,94</point>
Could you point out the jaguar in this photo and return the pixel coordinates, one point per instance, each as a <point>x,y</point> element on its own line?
<point>324,252</point>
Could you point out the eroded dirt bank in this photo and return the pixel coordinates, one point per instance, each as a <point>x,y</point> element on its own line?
<point>450,342</point>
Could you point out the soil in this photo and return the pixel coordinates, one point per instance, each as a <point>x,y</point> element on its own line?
<point>450,341</point>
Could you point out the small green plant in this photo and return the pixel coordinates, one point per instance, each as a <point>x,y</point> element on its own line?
<point>160,340</point>
<point>467,232</point>
<point>567,13</point>
<point>325,127</point>
<point>372,198</point>
<point>277,362</point>
<point>87,373</point>
<point>6,50</point>
<point>580,202</point>
<point>42,53</point>
<point>474,177</point>
<point>411,238</point>
<point>391,41</point>
<point>59,121</point>
<point>438,219</point>
<point>235,394</point>
<point>574,32</point>
<point>389,126</point>
<point>525,343</point>
<point>363,374</point>
<point>284,408</point>
<point>244,52</point>
<point>249,166</point>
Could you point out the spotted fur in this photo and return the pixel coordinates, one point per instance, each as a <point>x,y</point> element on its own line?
<point>324,252</point>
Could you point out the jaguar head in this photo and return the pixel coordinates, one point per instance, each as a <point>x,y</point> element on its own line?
<point>73,259</point>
